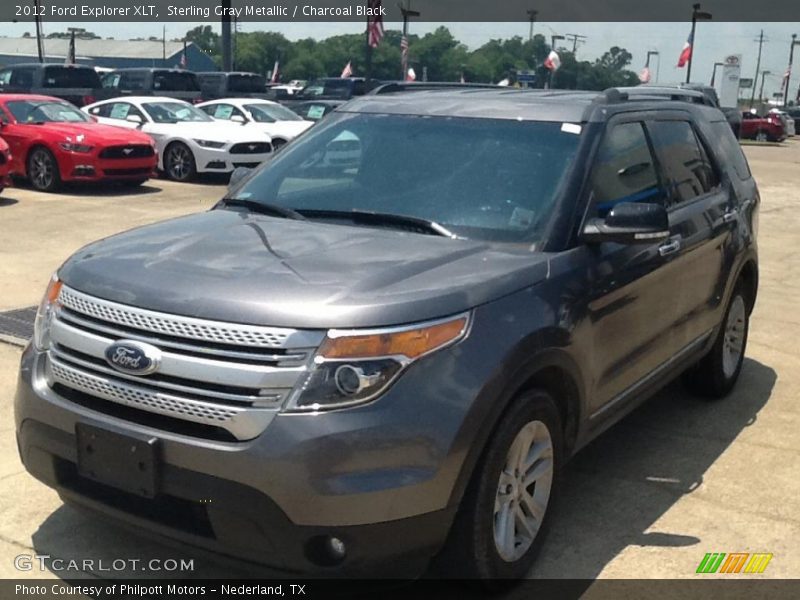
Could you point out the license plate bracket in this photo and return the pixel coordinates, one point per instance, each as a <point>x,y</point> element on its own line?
<point>121,460</point>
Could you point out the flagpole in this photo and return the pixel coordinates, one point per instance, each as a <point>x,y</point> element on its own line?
<point>368,53</point>
<point>691,50</point>
<point>789,70</point>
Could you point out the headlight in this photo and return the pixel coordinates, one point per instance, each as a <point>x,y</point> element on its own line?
<point>210,144</point>
<point>44,315</point>
<point>353,367</point>
<point>72,147</point>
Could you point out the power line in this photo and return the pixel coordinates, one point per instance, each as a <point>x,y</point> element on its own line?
<point>576,39</point>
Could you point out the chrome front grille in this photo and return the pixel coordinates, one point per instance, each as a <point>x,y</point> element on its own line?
<point>227,375</point>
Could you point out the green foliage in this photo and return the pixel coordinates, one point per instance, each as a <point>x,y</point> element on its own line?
<point>439,53</point>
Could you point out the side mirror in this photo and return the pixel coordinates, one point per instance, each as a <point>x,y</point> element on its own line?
<point>238,119</point>
<point>134,119</point>
<point>629,223</point>
<point>239,173</point>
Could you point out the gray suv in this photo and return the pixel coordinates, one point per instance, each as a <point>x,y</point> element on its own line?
<point>382,346</point>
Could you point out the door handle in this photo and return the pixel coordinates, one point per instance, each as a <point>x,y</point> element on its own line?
<point>670,247</point>
<point>729,217</point>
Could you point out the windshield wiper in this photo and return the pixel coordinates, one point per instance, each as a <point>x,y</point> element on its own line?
<point>263,207</point>
<point>403,222</point>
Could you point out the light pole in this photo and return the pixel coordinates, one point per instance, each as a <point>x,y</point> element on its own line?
<point>407,14</point>
<point>553,39</point>
<point>227,53</point>
<point>647,62</point>
<point>789,71</point>
<point>714,72</point>
<point>697,15</point>
<point>532,18</point>
<point>39,40</point>
<point>761,89</point>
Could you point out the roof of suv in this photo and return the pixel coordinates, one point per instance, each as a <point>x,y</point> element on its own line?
<point>517,104</point>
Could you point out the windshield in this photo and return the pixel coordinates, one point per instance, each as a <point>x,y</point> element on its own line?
<point>174,112</point>
<point>495,180</point>
<point>269,113</point>
<point>31,111</point>
<point>70,77</point>
<point>331,88</point>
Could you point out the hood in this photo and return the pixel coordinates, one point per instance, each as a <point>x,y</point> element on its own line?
<point>217,131</point>
<point>247,268</point>
<point>97,133</point>
<point>285,129</point>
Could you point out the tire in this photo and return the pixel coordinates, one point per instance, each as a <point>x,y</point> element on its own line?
<point>179,163</point>
<point>42,170</point>
<point>716,373</point>
<point>761,136</point>
<point>477,546</point>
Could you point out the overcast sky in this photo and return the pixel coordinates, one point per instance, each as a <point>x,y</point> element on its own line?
<point>714,40</point>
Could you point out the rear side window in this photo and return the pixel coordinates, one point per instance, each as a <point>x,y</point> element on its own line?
<point>22,77</point>
<point>246,83</point>
<point>67,77</point>
<point>171,81</point>
<point>684,159</point>
<point>132,81</point>
<point>730,148</point>
<point>624,169</point>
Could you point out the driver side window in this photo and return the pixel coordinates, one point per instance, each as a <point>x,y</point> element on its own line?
<point>624,170</point>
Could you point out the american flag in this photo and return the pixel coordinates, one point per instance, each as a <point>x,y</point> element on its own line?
<point>375,24</point>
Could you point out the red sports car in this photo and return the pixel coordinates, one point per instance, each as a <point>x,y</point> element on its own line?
<point>51,142</point>
<point>5,160</point>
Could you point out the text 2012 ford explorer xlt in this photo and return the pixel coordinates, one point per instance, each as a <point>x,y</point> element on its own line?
<point>380,355</point>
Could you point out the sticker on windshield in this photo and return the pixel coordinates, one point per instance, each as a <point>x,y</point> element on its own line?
<point>315,112</point>
<point>571,128</point>
<point>521,218</point>
<point>120,111</point>
<point>223,111</point>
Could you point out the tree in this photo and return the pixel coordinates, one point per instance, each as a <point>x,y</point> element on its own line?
<point>205,38</point>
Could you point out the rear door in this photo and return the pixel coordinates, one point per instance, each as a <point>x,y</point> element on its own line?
<point>701,218</point>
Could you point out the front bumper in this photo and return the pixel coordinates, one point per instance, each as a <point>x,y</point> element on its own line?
<point>379,477</point>
<point>76,166</point>
<point>210,160</point>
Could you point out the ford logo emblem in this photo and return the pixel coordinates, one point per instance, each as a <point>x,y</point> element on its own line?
<point>133,358</point>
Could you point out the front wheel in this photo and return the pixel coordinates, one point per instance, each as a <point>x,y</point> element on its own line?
<point>762,136</point>
<point>179,162</point>
<point>504,514</point>
<point>43,170</point>
<point>715,374</point>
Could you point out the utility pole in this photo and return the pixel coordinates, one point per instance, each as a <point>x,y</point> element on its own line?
<point>697,15</point>
<point>761,89</point>
<point>758,68</point>
<point>576,39</point>
<point>227,59</point>
<point>407,14</point>
<point>789,70</point>
<point>39,40</point>
<point>532,18</point>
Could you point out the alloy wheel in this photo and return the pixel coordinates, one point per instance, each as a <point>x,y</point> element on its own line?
<point>733,342</point>
<point>179,162</point>
<point>523,491</point>
<point>42,170</point>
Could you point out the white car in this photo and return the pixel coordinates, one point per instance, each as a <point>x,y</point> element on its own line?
<point>274,119</point>
<point>187,139</point>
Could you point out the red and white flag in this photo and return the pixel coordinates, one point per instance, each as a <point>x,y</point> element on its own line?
<point>644,75</point>
<point>375,23</point>
<point>463,80</point>
<point>276,72</point>
<point>686,53</point>
<point>411,75</point>
<point>184,60</point>
<point>404,53</point>
<point>347,71</point>
<point>553,61</point>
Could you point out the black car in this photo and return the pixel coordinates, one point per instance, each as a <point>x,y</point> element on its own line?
<point>315,110</point>
<point>238,84</point>
<point>335,89</point>
<point>382,346</point>
<point>77,84</point>
<point>172,83</point>
<point>707,95</point>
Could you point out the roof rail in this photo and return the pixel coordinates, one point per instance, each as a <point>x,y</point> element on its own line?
<point>642,93</point>
<point>413,86</point>
<point>611,96</point>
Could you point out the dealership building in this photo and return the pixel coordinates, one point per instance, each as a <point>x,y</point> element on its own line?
<point>110,54</point>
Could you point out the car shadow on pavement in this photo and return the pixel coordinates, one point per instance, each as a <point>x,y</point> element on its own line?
<point>100,189</point>
<point>617,487</point>
<point>613,491</point>
<point>4,201</point>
